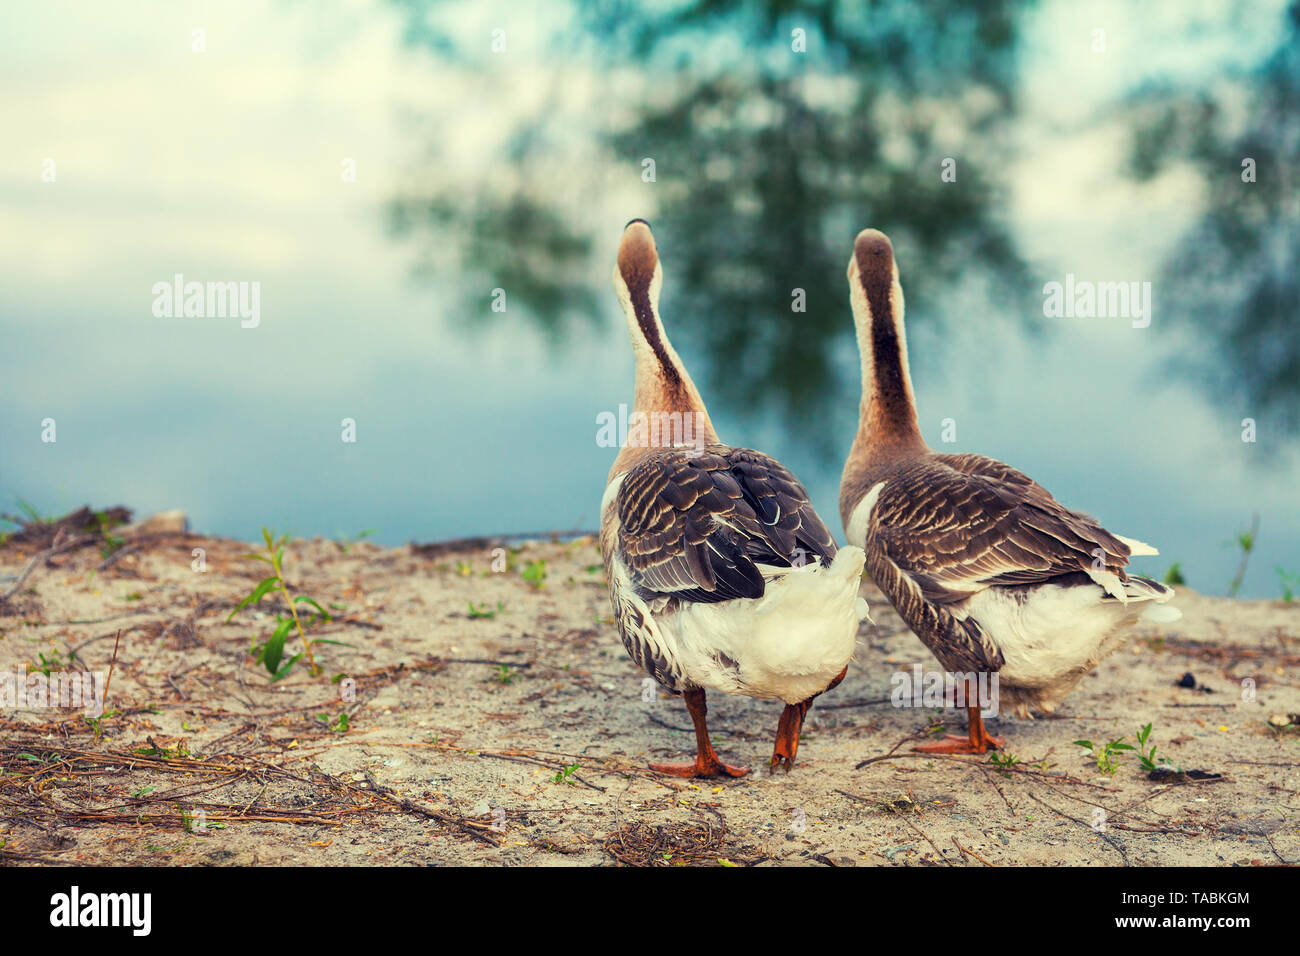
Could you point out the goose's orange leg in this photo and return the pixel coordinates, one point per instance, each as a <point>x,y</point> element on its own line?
<point>706,762</point>
<point>789,726</point>
<point>979,740</point>
<point>787,735</point>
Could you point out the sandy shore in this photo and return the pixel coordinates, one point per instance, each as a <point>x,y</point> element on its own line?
<point>492,717</point>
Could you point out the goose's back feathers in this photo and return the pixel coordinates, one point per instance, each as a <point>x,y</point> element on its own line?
<point>993,573</point>
<point>957,524</point>
<point>696,525</point>
<point>722,575</point>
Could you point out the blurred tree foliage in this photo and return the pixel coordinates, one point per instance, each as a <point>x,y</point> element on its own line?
<point>768,162</point>
<point>1236,275</point>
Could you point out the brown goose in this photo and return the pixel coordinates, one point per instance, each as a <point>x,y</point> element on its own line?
<point>721,574</point>
<point>991,572</point>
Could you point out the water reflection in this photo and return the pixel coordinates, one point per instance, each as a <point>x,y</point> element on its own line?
<point>1236,275</point>
<point>767,162</point>
<point>518,171</point>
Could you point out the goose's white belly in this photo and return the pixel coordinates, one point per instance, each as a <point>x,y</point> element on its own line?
<point>788,645</point>
<point>1054,632</point>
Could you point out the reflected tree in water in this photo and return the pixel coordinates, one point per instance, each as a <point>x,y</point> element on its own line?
<point>767,163</point>
<point>1236,275</point>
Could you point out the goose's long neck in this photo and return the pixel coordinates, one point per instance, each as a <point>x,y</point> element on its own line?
<point>665,393</point>
<point>662,382</point>
<point>887,422</point>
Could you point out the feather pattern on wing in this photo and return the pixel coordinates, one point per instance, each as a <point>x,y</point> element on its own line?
<point>958,524</point>
<point>696,525</point>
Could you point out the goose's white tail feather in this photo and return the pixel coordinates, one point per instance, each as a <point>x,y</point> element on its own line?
<point>1110,583</point>
<point>1051,635</point>
<point>788,644</point>
<point>1137,549</point>
<point>1160,614</point>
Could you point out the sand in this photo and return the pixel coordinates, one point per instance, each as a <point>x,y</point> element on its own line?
<point>519,735</point>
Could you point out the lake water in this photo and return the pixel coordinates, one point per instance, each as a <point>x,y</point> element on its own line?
<point>378,171</point>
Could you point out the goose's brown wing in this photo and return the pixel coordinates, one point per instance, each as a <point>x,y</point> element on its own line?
<point>694,525</point>
<point>957,524</point>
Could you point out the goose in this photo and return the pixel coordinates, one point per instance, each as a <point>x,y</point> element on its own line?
<point>721,575</point>
<point>994,575</point>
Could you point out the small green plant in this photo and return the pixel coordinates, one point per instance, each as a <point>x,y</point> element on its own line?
<point>47,758</point>
<point>153,750</point>
<point>191,821</point>
<point>562,776</point>
<point>101,522</point>
<point>98,523</point>
<point>1246,544</point>
<point>270,653</point>
<point>1147,758</point>
<point>463,569</point>
<point>1174,576</point>
<point>1003,762</point>
<point>52,663</point>
<point>504,674</point>
<point>339,725</point>
<point>345,543</point>
<point>96,724</point>
<point>34,516</point>
<point>1107,755</point>
<point>1290,584</point>
<point>482,610</point>
<point>133,596</point>
<point>535,574</point>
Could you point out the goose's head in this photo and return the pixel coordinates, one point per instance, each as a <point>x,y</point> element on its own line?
<point>874,290</point>
<point>876,298</point>
<point>663,386</point>
<point>637,280</point>
<point>637,273</point>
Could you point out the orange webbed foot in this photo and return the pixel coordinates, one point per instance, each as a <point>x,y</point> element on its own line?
<point>787,736</point>
<point>781,757</point>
